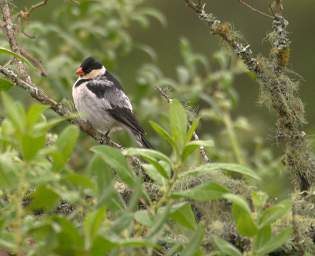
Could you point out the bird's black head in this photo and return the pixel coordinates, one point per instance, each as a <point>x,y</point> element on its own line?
<point>88,65</point>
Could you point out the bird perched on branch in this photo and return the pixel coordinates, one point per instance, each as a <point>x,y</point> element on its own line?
<point>100,100</point>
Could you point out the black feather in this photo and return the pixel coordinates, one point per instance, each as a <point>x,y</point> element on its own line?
<point>113,79</point>
<point>90,64</point>
<point>81,81</point>
<point>126,117</point>
<point>103,84</point>
<point>99,89</point>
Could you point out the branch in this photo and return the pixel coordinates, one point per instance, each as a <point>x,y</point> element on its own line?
<point>27,12</point>
<point>255,9</point>
<point>280,41</point>
<point>9,30</point>
<point>195,135</point>
<point>276,7</point>
<point>281,91</point>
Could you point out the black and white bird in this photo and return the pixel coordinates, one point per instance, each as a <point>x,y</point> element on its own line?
<point>100,100</point>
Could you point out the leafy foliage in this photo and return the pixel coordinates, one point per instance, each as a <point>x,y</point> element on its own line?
<point>61,196</point>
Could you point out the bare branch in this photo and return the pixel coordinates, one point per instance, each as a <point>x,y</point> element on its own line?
<point>195,135</point>
<point>26,13</point>
<point>9,30</point>
<point>255,9</point>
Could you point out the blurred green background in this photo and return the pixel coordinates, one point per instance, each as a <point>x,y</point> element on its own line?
<point>182,22</point>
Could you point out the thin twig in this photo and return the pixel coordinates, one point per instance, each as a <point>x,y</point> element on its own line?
<point>36,63</point>
<point>27,12</point>
<point>276,7</point>
<point>195,135</point>
<point>255,9</point>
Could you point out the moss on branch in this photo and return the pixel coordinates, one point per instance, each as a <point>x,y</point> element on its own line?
<point>279,90</point>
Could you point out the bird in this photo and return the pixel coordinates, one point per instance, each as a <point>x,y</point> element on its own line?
<point>101,101</point>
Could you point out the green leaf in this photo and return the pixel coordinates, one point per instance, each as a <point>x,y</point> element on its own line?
<point>65,145</point>
<point>5,84</point>
<point>184,215</point>
<point>34,113</point>
<point>194,244</point>
<point>15,114</point>
<point>102,246</point>
<point>178,123</point>
<point>192,129</point>
<point>116,160</point>
<point>195,144</point>
<point>242,215</point>
<point>7,241</point>
<point>203,169</point>
<point>181,213</point>
<point>203,192</point>
<point>154,174</point>
<point>80,180</point>
<point>160,130</point>
<point>68,237</point>
<point>121,223</point>
<point>47,125</point>
<point>159,221</point>
<point>273,213</point>
<point>259,199</point>
<point>92,224</point>
<point>275,242</point>
<point>151,12</point>
<point>99,169</point>
<point>225,247</point>
<point>144,218</point>
<point>31,145</point>
<point>152,157</point>
<point>135,243</point>
<point>44,198</point>
<point>149,152</point>
<point>263,236</point>
<point>8,171</point>
<point>103,176</point>
<point>142,20</point>
<point>15,55</point>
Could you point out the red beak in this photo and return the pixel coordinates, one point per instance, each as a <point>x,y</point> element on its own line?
<point>80,71</point>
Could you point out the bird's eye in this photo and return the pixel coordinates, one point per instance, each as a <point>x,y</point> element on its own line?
<point>88,70</point>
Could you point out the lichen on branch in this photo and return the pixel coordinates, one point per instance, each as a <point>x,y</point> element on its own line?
<point>279,90</point>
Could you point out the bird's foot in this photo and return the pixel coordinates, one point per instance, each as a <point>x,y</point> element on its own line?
<point>104,139</point>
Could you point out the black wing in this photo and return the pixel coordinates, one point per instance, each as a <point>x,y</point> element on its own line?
<point>109,93</point>
<point>126,117</point>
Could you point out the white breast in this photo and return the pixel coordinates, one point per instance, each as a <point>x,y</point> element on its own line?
<point>91,108</point>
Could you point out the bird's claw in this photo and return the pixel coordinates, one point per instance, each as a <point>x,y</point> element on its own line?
<point>104,139</point>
